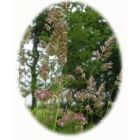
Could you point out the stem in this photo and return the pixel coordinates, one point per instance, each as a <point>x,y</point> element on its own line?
<point>94,67</point>
<point>34,110</point>
<point>45,84</point>
<point>81,107</point>
<point>54,125</point>
<point>86,119</point>
<point>42,112</point>
<point>91,120</point>
<point>49,114</point>
<point>96,64</point>
<point>88,100</point>
<point>98,115</point>
<point>85,80</point>
<point>54,112</point>
<point>49,86</point>
<point>65,83</point>
<point>110,97</point>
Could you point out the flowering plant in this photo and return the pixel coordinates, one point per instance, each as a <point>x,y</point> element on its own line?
<point>54,103</point>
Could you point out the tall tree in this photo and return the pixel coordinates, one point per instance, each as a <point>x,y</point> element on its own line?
<point>29,57</point>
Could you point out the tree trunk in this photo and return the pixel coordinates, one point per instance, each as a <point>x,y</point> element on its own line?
<point>33,102</point>
<point>33,71</point>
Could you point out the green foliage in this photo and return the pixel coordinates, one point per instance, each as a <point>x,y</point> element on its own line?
<point>88,30</point>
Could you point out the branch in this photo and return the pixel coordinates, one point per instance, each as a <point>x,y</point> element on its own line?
<point>27,63</point>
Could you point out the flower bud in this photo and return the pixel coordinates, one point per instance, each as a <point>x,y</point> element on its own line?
<point>79,70</point>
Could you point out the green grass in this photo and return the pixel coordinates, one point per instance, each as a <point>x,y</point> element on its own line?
<point>39,115</point>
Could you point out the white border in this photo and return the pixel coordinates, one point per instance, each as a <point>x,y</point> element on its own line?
<point>114,125</point>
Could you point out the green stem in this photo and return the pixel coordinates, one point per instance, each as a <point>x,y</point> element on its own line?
<point>86,119</point>
<point>45,84</point>
<point>55,114</point>
<point>85,79</point>
<point>54,111</point>
<point>97,114</point>
<point>91,120</point>
<point>94,67</point>
<point>43,113</point>
<point>81,107</point>
<point>110,97</point>
<point>49,114</point>
<point>54,125</point>
<point>65,83</point>
<point>34,110</point>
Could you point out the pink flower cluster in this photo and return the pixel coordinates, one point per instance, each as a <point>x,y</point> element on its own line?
<point>64,120</point>
<point>77,117</point>
<point>79,70</point>
<point>43,95</point>
<point>44,71</point>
